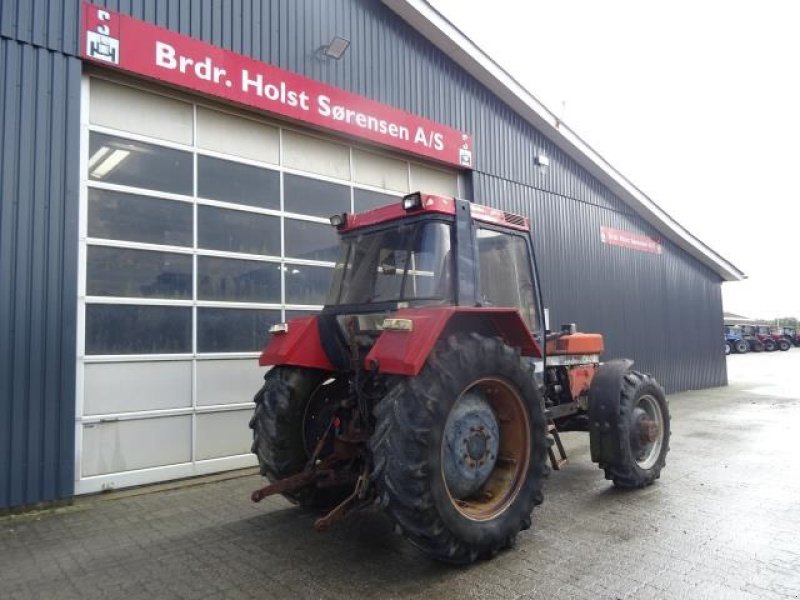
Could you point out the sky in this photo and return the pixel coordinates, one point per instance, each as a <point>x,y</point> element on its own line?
<point>696,102</point>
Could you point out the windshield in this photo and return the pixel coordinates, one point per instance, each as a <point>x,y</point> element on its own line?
<point>409,262</point>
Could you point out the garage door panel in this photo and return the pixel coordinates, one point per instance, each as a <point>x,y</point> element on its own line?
<point>223,434</point>
<point>228,381</point>
<point>111,388</point>
<point>116,446</point>
<point>433,181</point>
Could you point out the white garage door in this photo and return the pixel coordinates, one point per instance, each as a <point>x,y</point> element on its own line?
<point>199,228</point>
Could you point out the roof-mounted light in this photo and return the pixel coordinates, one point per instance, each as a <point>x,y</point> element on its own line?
<point>279,328</point>
<point>339,221</point>
<point>412,201</point>
<point>398,325</point>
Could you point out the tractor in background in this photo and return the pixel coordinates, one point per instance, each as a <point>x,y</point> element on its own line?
<point>749,335</point>
<point>734,341</point>
<point>429,385</point>
<point>791,334</point>
<point>772,340</point>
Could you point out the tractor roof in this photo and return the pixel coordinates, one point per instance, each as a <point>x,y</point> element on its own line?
<point>433,204</point>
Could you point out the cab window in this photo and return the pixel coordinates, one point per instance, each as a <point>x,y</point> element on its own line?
<point>505,272</point>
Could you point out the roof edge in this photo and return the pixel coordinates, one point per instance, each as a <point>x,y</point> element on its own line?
<point>435,27</point>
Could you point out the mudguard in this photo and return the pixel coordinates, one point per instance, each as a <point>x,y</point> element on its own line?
<point>405,352</point>
<point>300,346</point>
<point>603,411</point>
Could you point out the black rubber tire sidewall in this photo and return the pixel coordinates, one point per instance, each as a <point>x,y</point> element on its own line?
<point>407,451</point>
<point>627,473</point>
<point>277,425</point>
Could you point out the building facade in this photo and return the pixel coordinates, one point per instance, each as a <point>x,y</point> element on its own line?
<point>160,211</point>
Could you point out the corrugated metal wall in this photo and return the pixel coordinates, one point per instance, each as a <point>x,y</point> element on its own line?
<point>39,104</point>
<point>664,311</point>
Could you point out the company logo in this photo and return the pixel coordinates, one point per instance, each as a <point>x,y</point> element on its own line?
<point>465,152</point>
<point>99,43</point>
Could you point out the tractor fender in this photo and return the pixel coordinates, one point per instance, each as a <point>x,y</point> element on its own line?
<point>299,346</point>
<point>604,395</point>
<point>405,352</point>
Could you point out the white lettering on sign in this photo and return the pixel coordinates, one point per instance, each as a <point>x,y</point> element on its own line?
<point>182,61</point>
<point>632,241</point>
<point>168,58</point>
<point>277,93</point>
<point>348,115</point>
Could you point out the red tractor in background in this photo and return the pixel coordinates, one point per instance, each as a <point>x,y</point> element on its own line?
<point>756,345</point>
<point>429,385</point>
<point>771,339</point>
<point>791,334</point>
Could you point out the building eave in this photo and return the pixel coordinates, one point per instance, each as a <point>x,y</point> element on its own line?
<point>431,24</point>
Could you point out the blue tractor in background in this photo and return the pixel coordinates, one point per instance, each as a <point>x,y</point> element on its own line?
<point>734,340</point>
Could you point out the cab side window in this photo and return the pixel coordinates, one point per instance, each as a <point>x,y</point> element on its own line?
<point>506,274</point>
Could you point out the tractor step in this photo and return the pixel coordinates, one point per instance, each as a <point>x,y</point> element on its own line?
<point>554,443</point>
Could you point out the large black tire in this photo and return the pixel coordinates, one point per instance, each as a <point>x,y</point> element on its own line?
<point>728,348</point>
<point>770,346</point>
<point>409,454</point>
<point>278,437</point>
<point>630,471</point>
<point>784,345</point>
<point>756,346</point>
<point>742,347</point>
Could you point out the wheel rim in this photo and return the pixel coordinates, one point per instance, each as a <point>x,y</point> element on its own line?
<point>499,460</point>
<point>321,408</point>
<point>647,431</point>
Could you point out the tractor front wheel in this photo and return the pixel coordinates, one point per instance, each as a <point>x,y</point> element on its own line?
<point>784,345</point>
<point>770,346</point>
<point>742,347</point>
<point>642,433</point>
<point>728,348</point>
<point>460,450</point>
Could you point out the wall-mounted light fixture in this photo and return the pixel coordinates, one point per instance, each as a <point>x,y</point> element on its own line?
<point>334,49</point>
<point>541,160</point>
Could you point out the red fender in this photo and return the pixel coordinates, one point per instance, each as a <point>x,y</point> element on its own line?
<point>300,346</point>
<point>405,352</point>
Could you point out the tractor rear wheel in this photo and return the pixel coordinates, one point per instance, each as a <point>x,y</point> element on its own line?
<point>757,346</point>
<point>460,450</point>
<point>784,345</point>
<point>742,347</point>
<point>643,431</point>
<point>293,410</point>
<point>769,345</point>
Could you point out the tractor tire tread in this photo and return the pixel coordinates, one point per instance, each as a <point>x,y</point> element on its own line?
<point>403,442</point>
<point>626,474</point>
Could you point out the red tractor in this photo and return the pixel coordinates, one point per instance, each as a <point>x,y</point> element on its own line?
<point>772,340</point>
<point>429,385</point>
<point>791,334</point>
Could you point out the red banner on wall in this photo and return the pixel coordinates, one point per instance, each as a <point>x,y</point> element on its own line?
<point>632,241</point>
<point>138,47</point>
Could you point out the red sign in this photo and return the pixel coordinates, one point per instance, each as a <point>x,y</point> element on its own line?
<point>626,239</point>
<point>138,47</point>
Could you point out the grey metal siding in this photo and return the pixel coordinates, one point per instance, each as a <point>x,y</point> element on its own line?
<point>39,106</point>
<point>664,311</point>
